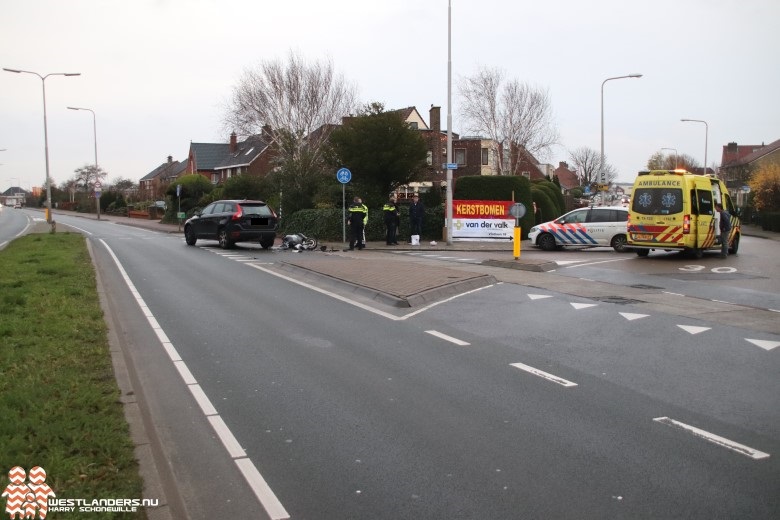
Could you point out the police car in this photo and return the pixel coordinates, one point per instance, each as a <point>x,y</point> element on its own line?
<point>600,226</point>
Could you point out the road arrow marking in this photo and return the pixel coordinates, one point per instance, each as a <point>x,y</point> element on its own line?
<point>539,296</point>
<point>764,344</point>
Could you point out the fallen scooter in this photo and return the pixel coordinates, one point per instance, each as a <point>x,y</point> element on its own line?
<point>299,242</point>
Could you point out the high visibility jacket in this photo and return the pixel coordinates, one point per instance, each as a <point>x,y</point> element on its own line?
<point>391,211</point>
<point>358,210</point>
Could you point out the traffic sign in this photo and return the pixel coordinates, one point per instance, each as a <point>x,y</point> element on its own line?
<point>344,175</point>
<point>517,210</point>
<point>452,166</point>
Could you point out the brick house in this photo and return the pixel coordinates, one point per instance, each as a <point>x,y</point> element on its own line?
<point>221,161</point>
<point>738,162</point>
<point>567,178</point>
<point>152,186</point>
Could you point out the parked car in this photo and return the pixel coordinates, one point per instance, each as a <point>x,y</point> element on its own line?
<point>231,221</point>
<point>584,227</point>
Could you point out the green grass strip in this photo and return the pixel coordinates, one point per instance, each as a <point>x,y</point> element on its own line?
<point>59,400</point>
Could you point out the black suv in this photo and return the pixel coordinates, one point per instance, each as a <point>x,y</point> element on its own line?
<point>231,221</point>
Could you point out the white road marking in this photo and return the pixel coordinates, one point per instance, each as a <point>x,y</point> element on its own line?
<point>448,338</point>
<point>539,296</point>
<point>631,317</point>
<point>579,306</point>
<point>599,262</point>
<point>544,375</point>
<point>715,439</point>
<point>764,344</point>
<point>690,329</point>
<point>267,498</point>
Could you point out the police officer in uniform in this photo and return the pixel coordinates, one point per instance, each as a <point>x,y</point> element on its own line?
<point>358,216</point>
<point>392,216</point>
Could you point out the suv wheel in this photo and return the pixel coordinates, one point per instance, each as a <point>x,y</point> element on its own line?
<point>189,236</point>
<point>224,241</point>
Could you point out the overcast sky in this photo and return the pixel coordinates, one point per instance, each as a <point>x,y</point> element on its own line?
<point>158,73</point>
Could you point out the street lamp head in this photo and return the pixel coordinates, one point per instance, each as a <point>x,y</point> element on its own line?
<point>71,74</point>
<point>635,75</point>
<point>12,70</point>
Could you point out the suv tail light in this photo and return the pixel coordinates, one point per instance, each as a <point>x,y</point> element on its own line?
<point>238,214</point>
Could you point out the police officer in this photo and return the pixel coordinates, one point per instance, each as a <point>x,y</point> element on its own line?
<point>392,216</point>
<point>357,219</point>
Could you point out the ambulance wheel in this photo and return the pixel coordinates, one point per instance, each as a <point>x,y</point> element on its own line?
<point>642,252</point>
<point>734,245</point>
<point>546,242</point>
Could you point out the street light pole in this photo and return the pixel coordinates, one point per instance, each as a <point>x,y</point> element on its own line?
<point>448,211</point>
<point>94,130</point>
<point>45,129</point>
<point>706,136</point>
<point>602,174</point>
<point>675,155</point>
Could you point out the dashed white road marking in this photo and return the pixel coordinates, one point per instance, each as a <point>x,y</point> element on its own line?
<point>448,338</point>
<point>539,296</point>
<point>544,375</point>
<point>579,306</point>
<point>715,439</point>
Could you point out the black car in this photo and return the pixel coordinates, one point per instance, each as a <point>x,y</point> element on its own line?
<point>231,221</point>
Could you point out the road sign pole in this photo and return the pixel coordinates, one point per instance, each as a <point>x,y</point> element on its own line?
<point>343,176</point>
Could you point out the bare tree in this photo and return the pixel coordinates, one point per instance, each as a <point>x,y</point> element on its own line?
<point>87,176</point>
<point>516,116</point>
<point>661,161</point>
<point>587,163</point>
<point>296,102</point>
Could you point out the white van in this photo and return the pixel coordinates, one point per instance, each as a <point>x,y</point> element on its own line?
<point>599,226</point>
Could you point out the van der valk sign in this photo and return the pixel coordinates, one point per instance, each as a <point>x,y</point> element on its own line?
<point>482,220</point>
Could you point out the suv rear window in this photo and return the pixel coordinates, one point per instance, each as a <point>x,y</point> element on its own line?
<point>261,210</point>
<point>657,201</point>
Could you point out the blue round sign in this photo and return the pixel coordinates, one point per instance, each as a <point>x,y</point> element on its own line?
<point>344,175</point>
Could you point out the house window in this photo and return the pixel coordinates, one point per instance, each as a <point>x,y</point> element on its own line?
<point>460,156</point>
<point>413,125</point>
<point>429,158</point>
<point>485,157</point>
<point>527,175</point>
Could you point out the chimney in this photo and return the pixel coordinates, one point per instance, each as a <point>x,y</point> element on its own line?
<point>435,117</point>
<point>267,133</point>
<point>233,143</point>
<point>170,159</point>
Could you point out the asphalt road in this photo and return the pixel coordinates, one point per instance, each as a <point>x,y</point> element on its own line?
<point>513,401</point>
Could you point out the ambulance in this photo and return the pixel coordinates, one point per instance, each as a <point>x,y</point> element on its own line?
<point>673,210</point>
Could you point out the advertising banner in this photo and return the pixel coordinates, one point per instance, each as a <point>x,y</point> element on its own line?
<point>482,220</point>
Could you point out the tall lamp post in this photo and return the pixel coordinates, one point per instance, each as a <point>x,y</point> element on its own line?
<point>448,211</point>
<point>94,130</point>
<point>706,135</point>
<point>675,155</point>
<point>602,174</point>
<point>45,130</point>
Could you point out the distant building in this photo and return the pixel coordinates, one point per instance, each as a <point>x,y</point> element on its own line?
<point>738,163</point>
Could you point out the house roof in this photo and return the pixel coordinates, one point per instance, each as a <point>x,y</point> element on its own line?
<point>756,154</point>
<point>164,170</point>
<point>566,177</point>
<point>209,155</point>
<point>246,152</point>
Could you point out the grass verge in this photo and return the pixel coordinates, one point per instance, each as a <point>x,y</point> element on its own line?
<point>59,400</point>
